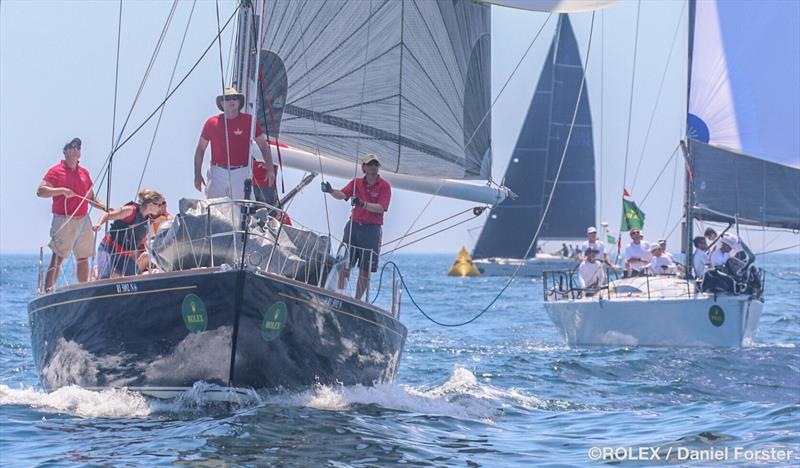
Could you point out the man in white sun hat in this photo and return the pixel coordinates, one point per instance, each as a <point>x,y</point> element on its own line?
<point>727,246</point>
<point>598,245</point>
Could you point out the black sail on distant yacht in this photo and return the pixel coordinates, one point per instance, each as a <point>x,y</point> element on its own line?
<point>503,245</point>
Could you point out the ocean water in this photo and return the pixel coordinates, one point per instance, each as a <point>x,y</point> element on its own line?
<point>502,391</point>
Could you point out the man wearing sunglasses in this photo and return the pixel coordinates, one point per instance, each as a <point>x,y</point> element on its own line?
<point>70,187</point>
<point>229,135</point>
<point>370,199</point>
<point>637,254</point>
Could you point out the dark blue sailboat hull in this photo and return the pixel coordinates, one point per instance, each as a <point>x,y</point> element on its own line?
<point>161,333</point>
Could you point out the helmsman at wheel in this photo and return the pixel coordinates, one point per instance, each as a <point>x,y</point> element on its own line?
<point>370,199</point>
<point>229,135</point>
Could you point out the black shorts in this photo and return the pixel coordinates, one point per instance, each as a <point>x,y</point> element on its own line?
<point>367,239</point>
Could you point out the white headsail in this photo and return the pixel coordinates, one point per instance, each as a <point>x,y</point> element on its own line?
<point>712,116</point>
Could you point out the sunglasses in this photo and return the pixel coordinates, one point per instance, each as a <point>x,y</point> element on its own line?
<point>635,233</point>
<point>158,204</point>
<point>231,98</point>
<point>73,147</point>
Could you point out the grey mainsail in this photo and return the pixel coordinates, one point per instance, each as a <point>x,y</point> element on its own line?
<point>511,225</point>
<point>730,186</point>
<point>408,80</point>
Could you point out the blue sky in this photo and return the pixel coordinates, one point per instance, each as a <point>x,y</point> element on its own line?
<point>57,82</point>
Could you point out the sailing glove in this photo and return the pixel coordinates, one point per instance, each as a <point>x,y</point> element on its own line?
<point>358,202</point>
<point>326,187</point>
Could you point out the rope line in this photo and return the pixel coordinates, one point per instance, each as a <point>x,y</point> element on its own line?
<point>488,112</point>
<point>671,198</point>
<point>224,118</point>
<point>314,124</point>
<point>652,186</point>
<point>114,112</point>
<point>177,87</point>
<point>508,80</point>
<point>169,85</point>
<point>658,97</point>
<point>544,213</point>
<point>630,111</point>
<point>361,111</point>
<point>391,252</point>
<point>432,224</point>
<point>104,166</point>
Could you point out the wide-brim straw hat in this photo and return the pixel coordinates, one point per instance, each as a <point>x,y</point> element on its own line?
<point>230,92</point>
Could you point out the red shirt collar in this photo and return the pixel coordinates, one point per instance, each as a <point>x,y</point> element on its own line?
<point>64,163</point>
<point>377,181</point>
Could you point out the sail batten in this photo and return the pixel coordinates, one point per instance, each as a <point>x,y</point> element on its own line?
<point>407,80</point>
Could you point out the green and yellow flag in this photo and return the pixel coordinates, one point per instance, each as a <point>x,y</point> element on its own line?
<point>632,216</point>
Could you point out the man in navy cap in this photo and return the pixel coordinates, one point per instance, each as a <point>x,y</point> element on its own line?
<point>70,187</point>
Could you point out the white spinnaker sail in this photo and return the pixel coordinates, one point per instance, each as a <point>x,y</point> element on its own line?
<point>555,6</point>
<point>744,111</point>
<point>712,115</point>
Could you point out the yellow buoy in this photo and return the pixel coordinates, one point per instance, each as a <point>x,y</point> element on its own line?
<point>463,265</point>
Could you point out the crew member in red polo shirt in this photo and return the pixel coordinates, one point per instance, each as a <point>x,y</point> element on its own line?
<point>371,196</point>
<point>229,135</point>
<point>70,187</point>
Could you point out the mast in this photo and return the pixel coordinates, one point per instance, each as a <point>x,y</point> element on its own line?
<point>687,154</point>
<point>247,53</point>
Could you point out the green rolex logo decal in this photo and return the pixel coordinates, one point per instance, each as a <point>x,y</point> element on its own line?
<point>274,320</point>
<point>716,316</point>
<point>194,313</point>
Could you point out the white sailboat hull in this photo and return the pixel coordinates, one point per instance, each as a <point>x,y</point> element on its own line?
<point>691,320</point>
<point>527,267</point>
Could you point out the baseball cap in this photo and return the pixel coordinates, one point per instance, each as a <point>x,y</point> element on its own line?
<point>368,158</point>
<point>74,143</point>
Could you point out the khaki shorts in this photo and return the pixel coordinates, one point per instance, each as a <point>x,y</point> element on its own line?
<point>72,235</point>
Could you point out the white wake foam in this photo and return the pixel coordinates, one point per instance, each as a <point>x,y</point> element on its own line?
<point>79,401</point>
<point>461,396</point>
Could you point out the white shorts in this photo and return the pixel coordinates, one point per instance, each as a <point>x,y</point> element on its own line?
<point>69,235</point>
<point>218,182</point>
